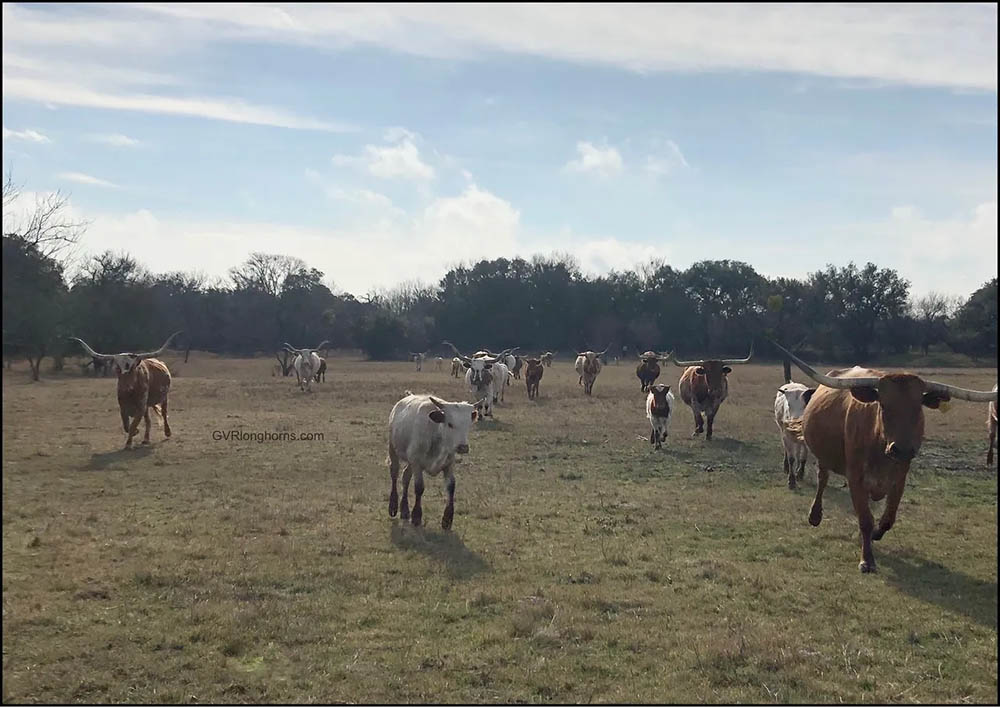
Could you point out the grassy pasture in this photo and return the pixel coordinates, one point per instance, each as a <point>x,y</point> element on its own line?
<point>583,566</point>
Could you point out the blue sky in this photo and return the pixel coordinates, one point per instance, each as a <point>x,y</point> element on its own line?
<point>388,143</point>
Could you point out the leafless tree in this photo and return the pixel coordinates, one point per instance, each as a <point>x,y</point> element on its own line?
<point>48,226</point>
<point>932,311</point>
<point>266,272</point>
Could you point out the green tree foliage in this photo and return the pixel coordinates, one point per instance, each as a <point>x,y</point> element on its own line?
<point>975,325</point>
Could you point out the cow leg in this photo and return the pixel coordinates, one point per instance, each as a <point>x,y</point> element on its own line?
<point>711,418</point>
<point>404,507</point>
<point>802,467</point>
<point>133,430</point>
<point>145,417</point>
<point>859,497</point>
<point>659,440</point>
<point>418,492</point>
<point>788,472</point>
<point>163,414</point>
<point>888,518</point>
<point>816,511</point>
<point>124,421</point>
<point>393,475</point>
<point>699,425</point>
<point>449,510</point>
<point>652,435</point>
<point>989,452</point>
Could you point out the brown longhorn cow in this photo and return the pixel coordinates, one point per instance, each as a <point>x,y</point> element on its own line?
<point>703,387</point>
<point>648,369</point>
<point>588,366</point>
<point>533,375</point>
<point>868,425</point>
<point>143,383</point>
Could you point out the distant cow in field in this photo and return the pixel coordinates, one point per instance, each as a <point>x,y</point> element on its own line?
<point>991,427</point>
<point>438,363</point>
<point>659,406</point>
<point>648,369</point>
<point>456,367</point>
<point>703,387</point>
<point>789,404</point>
<point>547,358</point>
<point>321,370</point>
<point>306,363</point>
<point>518,364</point>
<point>588,366</point>
<point>868,425</point>
<point>419,358</point>
<point>143,383</point>
<point>533,376</point>
<point>426,434</point>
<point>479,376</point>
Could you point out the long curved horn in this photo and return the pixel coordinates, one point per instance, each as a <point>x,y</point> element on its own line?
<point>458,353</point>
<point>291,349</point>
<point>89,350</point>
<point>604,351</point>
<point>666,356</point>
<point>153,354</point>
<point>321,345</point>
<point>740,360</point>
<point>683,364</point>
<point>973,396</point>
<point>828,381</point>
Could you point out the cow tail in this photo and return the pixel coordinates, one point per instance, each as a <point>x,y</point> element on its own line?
<point>159,414</point>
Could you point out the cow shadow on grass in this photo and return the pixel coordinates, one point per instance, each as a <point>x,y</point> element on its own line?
<point>103,460</point>
<point>444,546</point>
<point>947,588</point>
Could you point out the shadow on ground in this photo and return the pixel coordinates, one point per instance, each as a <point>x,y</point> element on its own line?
<point>934,583</point>
<point>101,461</point>
<point>444,546</point>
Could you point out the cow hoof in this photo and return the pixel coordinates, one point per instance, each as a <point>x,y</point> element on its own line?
<point>791,484</point>
<point>815,516</point>
<point>878,533</point>
<point>417,514</point>
<point>393,504</point>
<point>449,514</point>
<point>865,567</point>
<point>166,432</point>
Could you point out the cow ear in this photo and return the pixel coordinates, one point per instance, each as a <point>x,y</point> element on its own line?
<point>934,400</point>
<point>807,395</point>
<point>865,395</point>
<point>727,370</point>
<point>436,416</point>
<point>699,371</point>
<point>474,415</point>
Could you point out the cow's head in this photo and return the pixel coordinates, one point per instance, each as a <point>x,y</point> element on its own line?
<point>661,398</point>
<point>125,364</point>
<point>593,359</point>
<point>480,366</point>
<point>455,420</point>
<point>901,399</point>
<point>714,370</point>
<point>796,396</point>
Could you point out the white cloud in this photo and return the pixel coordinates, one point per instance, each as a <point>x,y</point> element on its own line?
<point>116,140</point>
<point>398,161</point>
<point>26,135</point>
<point>923,44</point>
<point>605,162</point>
<point>82,178</point>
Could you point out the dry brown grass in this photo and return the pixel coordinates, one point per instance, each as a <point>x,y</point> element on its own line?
<point>583,566</point>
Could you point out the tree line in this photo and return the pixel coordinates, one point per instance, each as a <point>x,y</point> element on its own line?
<point>714,307</point>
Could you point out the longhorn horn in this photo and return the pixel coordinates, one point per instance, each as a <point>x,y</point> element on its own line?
<point>324,342</point>
<point>291,349</point>
<point>740,360</point>
<point>684,364</point>
<point>465,359</point>
<point>153,354</point>
<point>90,351</point>
<point>828,381</point>
<point>973,396</point>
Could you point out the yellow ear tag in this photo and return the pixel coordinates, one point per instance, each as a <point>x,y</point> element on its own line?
<point>944,405</point>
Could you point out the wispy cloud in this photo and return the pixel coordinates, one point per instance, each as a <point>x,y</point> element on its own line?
<point>923,44</point>
<point>666,159</point>
<point>82,178</point>
<point>602,161</point>
<point>26,135</point>
<point>116,140</point>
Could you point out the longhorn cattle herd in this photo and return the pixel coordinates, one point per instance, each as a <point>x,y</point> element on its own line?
<point>860,423</point>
